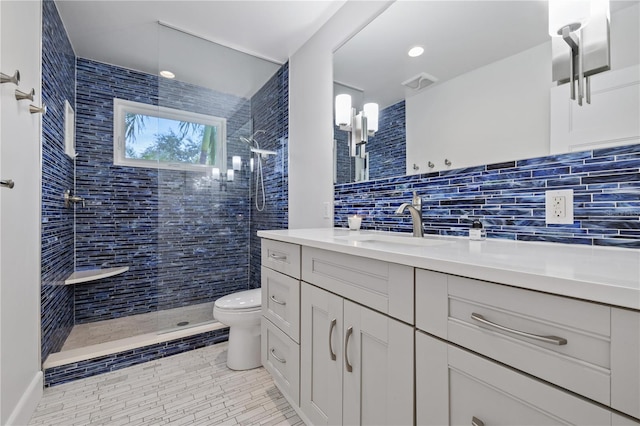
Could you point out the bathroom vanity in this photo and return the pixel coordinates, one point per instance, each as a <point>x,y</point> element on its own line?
<point>365,327</point>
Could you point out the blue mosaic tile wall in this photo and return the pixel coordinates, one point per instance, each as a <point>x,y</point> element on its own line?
<point>58,85</point>
<point>270,112</point>
<point>78,370</point>
<point>183,240</point>
<point>509,198</point>
<point>388,144</point>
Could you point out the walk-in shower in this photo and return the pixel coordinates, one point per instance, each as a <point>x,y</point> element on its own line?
<point>163,198</point>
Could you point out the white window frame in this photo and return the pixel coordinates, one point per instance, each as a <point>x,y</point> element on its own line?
<point>122,107</point>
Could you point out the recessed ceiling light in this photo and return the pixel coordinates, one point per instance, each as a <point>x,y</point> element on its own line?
<point>415,51</point>
<point>167,74</point>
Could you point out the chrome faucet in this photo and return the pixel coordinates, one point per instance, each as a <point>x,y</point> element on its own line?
<point>415,208</point>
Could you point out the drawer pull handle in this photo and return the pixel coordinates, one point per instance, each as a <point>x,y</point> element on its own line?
<point>273,354</point>
<point>278,257</point>
<point>331,327</point>
<point>547,339</point>
<point>346,350</point>
<point>476,421</point>
<point>277,301</point>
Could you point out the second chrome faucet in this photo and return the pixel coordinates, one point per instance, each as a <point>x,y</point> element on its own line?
<point>415,208</point>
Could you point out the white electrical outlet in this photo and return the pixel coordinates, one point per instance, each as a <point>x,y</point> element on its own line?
<point>328,214</point>
<point>559,206</point>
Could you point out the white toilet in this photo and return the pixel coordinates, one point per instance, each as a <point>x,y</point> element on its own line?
<point>241,311</point>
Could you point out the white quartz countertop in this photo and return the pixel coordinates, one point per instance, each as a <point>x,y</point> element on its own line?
<point>599,274</point>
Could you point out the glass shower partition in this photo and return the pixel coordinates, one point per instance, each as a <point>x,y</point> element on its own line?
<point>204,174</point>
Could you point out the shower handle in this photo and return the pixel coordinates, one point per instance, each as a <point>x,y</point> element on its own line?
<point>71,199</point>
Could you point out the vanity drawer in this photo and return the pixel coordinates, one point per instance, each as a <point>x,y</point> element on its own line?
<point>281,357</point>
<point>383,286</point>
<point>502,323</point>
<point>281,301</point>
<point>457,387</point>
<point>281,257</point>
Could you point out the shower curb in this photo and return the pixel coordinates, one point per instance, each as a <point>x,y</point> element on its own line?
<point>92,367</point>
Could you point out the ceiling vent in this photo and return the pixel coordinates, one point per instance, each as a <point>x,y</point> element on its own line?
<point>420,81</point>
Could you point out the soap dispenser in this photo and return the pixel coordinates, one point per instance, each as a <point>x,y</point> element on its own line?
<point>477,232</point>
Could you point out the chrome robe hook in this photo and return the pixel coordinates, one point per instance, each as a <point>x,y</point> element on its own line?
<point>15,78</point>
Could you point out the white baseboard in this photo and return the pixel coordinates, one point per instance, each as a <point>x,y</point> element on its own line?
<point>28,402</point>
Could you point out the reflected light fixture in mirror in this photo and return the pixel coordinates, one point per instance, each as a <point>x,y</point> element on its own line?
<point>580,43</point>
<point>236,162</point>
<point>359,125</point>
<point>167,74</point>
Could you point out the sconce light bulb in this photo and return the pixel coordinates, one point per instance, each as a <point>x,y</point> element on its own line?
<point>371,112</point>
<point>236,162</point>
<point>572,13</point>
<point>215,173</point>
<point>343,110</point>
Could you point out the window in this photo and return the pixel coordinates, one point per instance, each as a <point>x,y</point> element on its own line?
<point>150,136</point>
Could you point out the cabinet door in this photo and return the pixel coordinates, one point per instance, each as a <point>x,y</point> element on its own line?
<point>378,363</point>
<point>321,356</point>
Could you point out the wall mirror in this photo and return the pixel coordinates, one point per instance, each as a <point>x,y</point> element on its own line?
<point>482,90</point>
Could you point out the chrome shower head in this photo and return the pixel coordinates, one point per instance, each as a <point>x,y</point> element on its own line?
<point>247,141</point>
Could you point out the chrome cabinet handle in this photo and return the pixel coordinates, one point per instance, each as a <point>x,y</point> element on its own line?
<point>7,183</point>
<point>277,301</point>
<point>476,421</point>
<point>331,327</point>
<point>547,339</point>
<point>278,257</point>
<point>273,354</point>
<point>346,350</point>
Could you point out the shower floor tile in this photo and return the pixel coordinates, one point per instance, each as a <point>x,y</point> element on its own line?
<point>194,388</point>
<point>120,328</point>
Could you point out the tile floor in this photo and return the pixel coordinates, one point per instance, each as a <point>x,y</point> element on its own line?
<point>192,388</point>
<point>109,330</point>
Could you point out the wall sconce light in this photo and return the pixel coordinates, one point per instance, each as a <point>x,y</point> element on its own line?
<point>215,173</point>
<point>236,162</point>
<point>580,43</point>
<point>230,175</point>
<point>359,125</point>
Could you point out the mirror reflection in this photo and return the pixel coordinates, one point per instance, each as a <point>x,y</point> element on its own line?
<point>482,90</point>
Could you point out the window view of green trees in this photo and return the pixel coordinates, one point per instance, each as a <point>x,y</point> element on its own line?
<point>165,140</point>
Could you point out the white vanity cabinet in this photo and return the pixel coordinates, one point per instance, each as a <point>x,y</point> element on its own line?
<point>280,328</point>
<point>356,364</point>
<point>398,334</point>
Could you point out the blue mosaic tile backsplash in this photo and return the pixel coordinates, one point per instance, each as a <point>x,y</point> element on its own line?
<point>509,198</point>
<point>58,85</point>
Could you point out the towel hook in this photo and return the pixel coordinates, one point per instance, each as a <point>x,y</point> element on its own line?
<point>15,78</point>
<point>20,95</point>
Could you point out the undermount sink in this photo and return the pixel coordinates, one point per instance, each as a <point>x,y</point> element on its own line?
<point>380,240</point>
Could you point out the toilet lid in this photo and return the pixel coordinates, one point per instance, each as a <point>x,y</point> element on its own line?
<point>241,300</point>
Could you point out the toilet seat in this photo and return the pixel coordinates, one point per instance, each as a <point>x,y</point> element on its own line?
<point>245,301</point>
